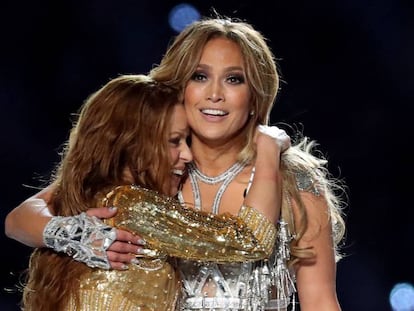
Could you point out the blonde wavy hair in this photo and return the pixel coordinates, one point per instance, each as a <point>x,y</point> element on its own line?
<point>114,131</point>
<point>262,75</point>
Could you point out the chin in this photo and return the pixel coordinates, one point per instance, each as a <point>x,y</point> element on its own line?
<point>175,183</point>
<point>173,191</point>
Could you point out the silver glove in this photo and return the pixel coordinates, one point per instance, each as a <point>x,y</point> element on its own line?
<point>85,238</point>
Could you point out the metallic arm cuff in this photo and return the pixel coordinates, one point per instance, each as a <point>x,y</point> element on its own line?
<point>83,237</point>
<point>263,229</point>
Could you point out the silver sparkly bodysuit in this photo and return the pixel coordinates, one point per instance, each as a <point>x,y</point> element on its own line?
<point>251,286</point>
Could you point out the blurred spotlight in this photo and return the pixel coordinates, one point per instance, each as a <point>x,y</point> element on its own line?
<point>402,297</point>
<point>181,15</point>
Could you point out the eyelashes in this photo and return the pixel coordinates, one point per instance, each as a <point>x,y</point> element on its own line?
<point>175,141</point>
<point>230,78</point>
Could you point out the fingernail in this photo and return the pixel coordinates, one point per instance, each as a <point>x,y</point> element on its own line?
<point>135,261</point>
<point>142,241</point>
<point>112,208</point>
<point>146,252</point>
<point>124,267</point>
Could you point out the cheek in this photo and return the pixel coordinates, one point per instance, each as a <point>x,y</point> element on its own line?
<point>193,94</point>
<point>174,155</point>
<point>241,100</point>
<point>190,101</point>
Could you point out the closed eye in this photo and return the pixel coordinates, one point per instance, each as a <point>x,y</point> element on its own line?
<point>175,141</point>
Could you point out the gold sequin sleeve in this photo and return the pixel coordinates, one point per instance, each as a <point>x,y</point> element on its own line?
<point>179,231</point>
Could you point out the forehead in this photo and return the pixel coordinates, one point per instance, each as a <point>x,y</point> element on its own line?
<point>222,49</point>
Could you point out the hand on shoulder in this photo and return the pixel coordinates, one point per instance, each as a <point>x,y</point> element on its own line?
<point>279,136</point>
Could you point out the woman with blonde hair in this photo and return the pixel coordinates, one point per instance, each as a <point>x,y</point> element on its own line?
<point>230,81</point>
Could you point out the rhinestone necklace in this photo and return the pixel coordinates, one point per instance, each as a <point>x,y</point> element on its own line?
<point>226,177</point>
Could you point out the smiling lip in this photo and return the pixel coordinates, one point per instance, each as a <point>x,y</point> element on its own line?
<point>214,112</point>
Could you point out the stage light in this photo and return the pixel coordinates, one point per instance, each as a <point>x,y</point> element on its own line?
<point>181,15</point>
<point>402,297</point>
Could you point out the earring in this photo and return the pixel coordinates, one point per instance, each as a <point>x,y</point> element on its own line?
<point>252,113</point>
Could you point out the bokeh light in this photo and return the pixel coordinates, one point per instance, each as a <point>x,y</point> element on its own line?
<point>402,297</point>
<point>181,15</point>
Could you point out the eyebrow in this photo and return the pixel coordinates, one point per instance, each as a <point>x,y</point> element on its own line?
<point>231,68</point>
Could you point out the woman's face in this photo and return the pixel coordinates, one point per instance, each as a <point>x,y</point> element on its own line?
<point>179,150</point>
<point>217,96</point>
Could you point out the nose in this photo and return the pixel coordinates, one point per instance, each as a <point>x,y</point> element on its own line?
<point>185,154</point>
<point>215,92</point>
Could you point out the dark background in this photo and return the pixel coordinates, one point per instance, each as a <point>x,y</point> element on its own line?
<point>348,69</point>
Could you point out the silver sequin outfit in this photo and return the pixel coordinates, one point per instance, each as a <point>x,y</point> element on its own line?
<point>250,286</point>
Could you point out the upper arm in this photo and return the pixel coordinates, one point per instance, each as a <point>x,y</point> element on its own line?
<point>316,277</point>
<point>25,223</point>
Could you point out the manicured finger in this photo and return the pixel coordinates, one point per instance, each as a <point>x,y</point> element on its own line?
<point>126,236</point>
<point>124,248</point>
<point>102,212</point>
<point>116,260</point>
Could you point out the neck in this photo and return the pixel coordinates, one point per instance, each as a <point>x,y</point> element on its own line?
<point>214,160</point>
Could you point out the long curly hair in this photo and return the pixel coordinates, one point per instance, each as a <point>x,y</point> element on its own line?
<point>124,126</point>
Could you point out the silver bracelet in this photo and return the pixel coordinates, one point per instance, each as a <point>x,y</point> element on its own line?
<point>84,238</point>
